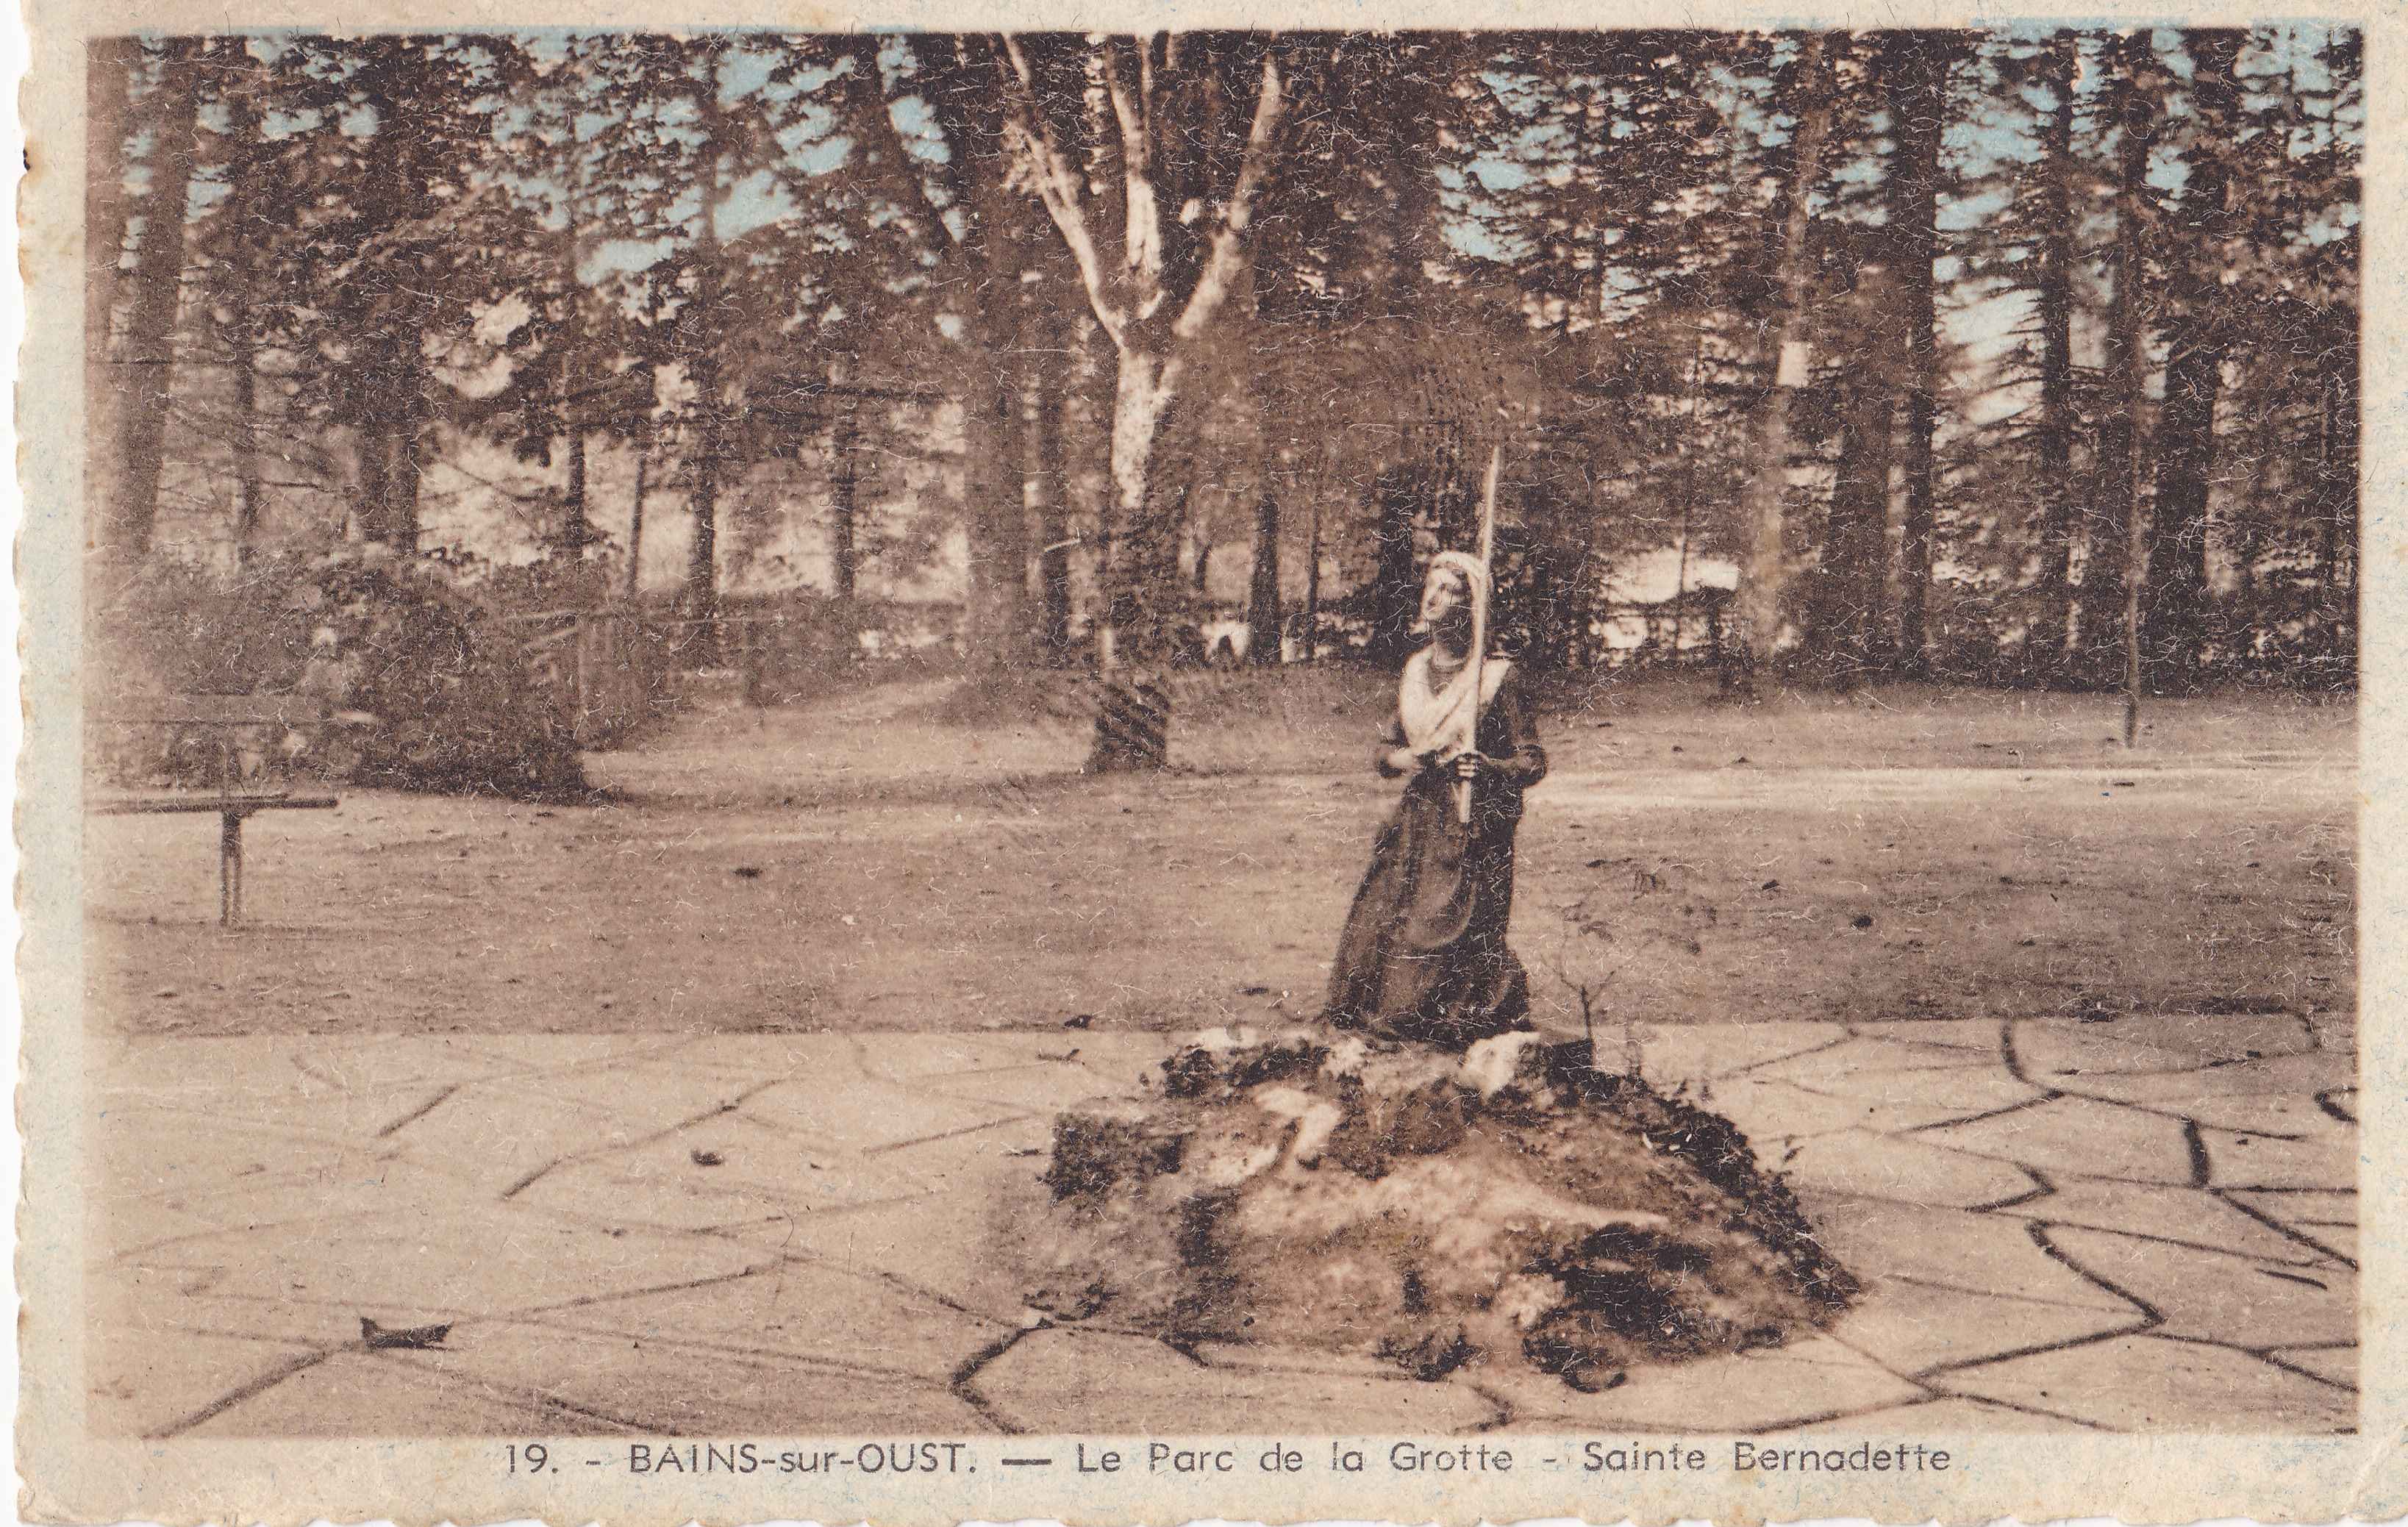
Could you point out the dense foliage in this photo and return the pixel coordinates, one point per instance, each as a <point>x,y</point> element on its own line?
<point>1061,326</point>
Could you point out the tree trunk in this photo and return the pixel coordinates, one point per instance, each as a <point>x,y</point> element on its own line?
<point>1394,584</point>
<point>2175,622</point>
<point>2337,538</point>
<point>1262,586</point>
<point>995,485</point>
<point>149,360</point>
<point>373,447</point>
<point>1766,571</point>
<point>1852,586</point>
<point>2053,638</point>
<point>844,553</point>
<point>706,333</point>
<point>2126,353</point>
<point>1135,623</point>
<point>701,594</point>
<point>576,529</point>
<point>635,521</point>
<point>243,361</point>
<point>1052,489</point>
<point>110,63</point>
<point>1921,109</point>
<point>1313,587</point>
<point>409,458</point>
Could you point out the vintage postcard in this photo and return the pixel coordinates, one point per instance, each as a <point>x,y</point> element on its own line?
<point>980,764</point>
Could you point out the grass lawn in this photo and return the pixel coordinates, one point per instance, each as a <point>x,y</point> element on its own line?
<point>901,858</point>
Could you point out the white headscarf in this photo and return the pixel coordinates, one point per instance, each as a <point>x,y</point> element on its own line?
<point>1447,720</point>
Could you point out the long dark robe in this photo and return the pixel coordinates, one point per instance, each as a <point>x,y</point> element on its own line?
<point>1423,954</point>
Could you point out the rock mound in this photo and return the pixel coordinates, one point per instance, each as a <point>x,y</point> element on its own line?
<point>1513,1204</point>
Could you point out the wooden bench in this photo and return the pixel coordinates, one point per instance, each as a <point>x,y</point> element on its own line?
<point>224,715</point>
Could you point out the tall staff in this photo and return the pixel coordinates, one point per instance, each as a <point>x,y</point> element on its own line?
<point>1480,622</point>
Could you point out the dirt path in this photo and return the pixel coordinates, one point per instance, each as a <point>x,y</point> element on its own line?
<point>942,895</point>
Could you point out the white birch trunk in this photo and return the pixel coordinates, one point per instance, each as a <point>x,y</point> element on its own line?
<point>1142,393</point>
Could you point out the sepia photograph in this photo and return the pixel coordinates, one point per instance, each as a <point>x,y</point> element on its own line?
<point>926,734</point>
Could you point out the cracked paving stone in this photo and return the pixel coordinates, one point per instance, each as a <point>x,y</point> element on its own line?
<point>1911,1327</point>
<point>679,1390</point>
<point>2149,1384</point>
<point>495,1137</point>
<point>2264,1113</point>
<point>1874,1069</point>
<point>864,1115</point>
<point>248,1067</point>
<point>2336,1364</point>
<point>1765,1390</point>
<point>1877,1073</point>
<point>2173,1214</point>
<point>1979,1252</point>
<point>1908,1169</point>
<point>173,1299</point>
<point>1243,1356</point>
<point>942,1243</point>
<point>2299,1077</point>
<point>2213,1297</point>
<point>643,1100</point>
<point>609,1194</point>
<point>2217,1037</point>
<point>1973,1034</point>
<point>2340,1240</point>
<point>421,1261</point>
<point>1070,1381</point>
<point>947,1058</point>
<point>589,1054</point>
<point>386,1395</point>
<point>1038,1086</point>
<point>838,1318</point>
<point>1694,1052</point>
<point>2328,1160</point>
<point>2058,1049</point>
<point>2307,1208</point>
<point>2069,1137</point>
<point>1770,1112</point>
<point>1944,1417</point>
<point>150,1374</point>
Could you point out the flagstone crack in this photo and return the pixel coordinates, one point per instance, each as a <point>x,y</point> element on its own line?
<point>2311,1375</point>
<point>414,1115</point>
<point>963,1381</point>
<point>2017,1106</point>
<point>1500,1411</point>
<point>948,1135</point>
<point>590,1300</point>
<point>2290,1233</point>
<point>533,1397</point>
<point>2040,1188</point>
<point>2195,1143</point>
<point>2268,1355</point>
<point>2039,1231</point>
<point>731,1105</point>
<point>700,1344</point>
<point>258,1385</point>
<point>1775,1060</point>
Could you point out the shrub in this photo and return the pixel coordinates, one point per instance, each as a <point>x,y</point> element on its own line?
<point>424,686</point>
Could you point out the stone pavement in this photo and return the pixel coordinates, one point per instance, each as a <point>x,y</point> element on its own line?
<point>2144,1225</point>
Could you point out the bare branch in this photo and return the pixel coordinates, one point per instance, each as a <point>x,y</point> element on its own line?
<point>879,108</point>
<point>1142,227</point>
<point>1062,190</point>
<point>1228,254</point>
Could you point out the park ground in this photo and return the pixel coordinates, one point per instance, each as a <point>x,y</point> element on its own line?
<point>2056,1040</point>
